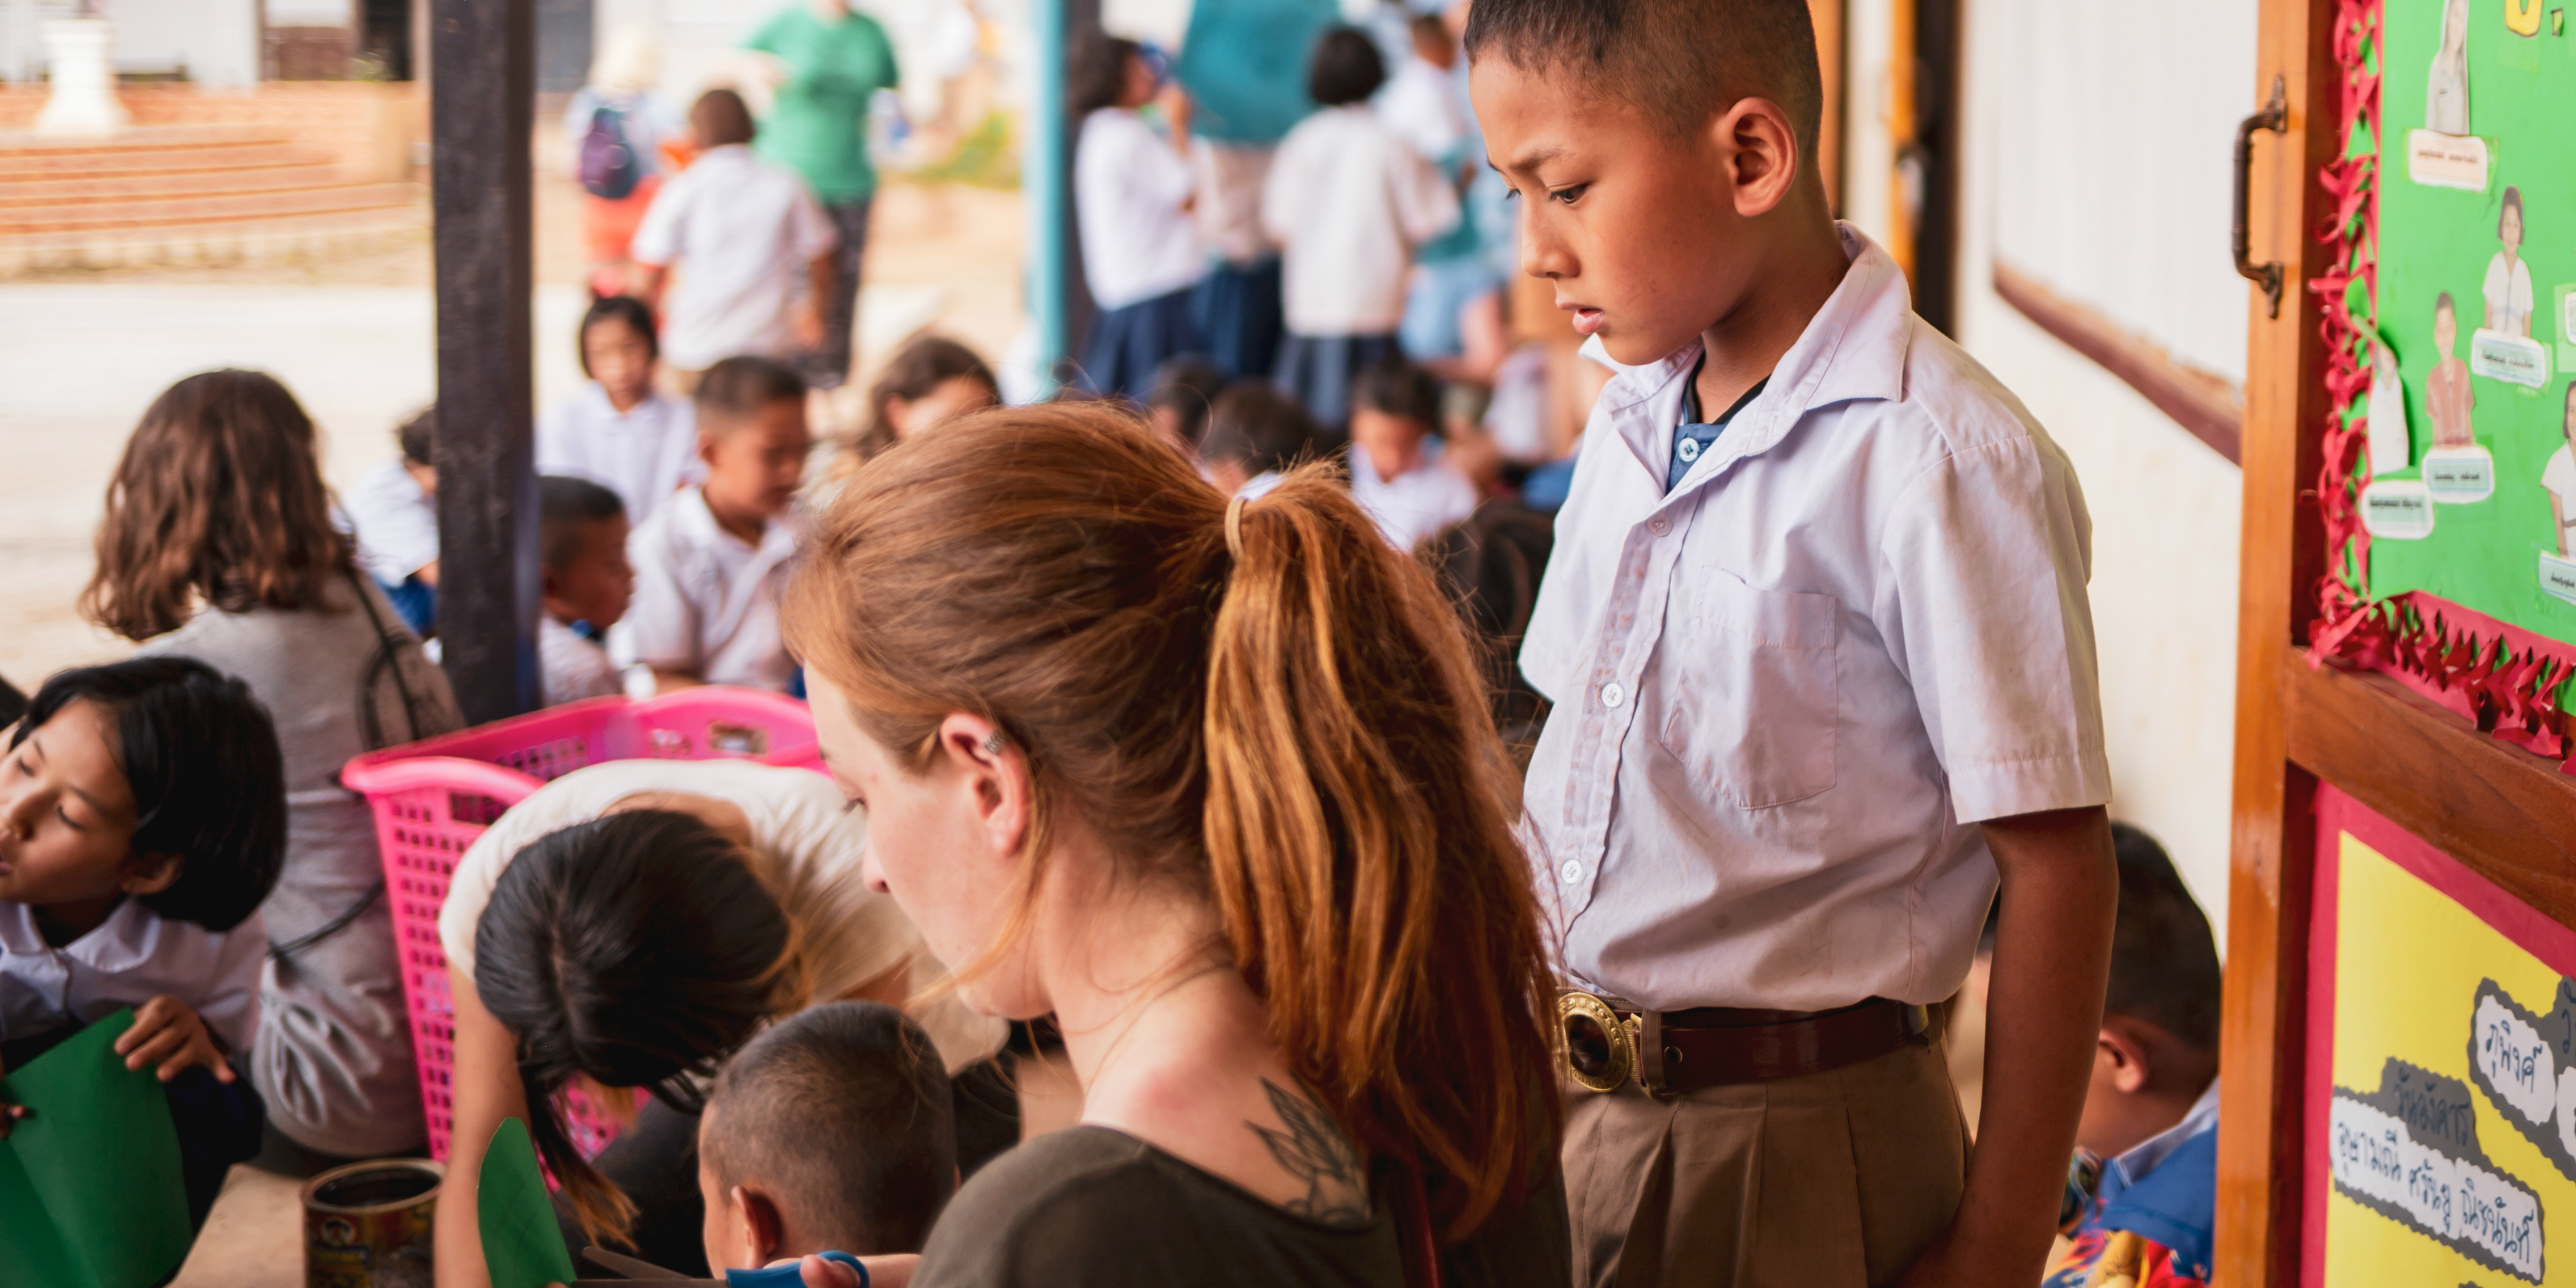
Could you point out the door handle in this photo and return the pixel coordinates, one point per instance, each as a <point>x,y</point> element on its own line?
<point>2275,117</point>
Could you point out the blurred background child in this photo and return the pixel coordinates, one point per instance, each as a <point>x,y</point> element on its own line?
<point>1395,410</point>
<point>927,381</point>
<point>616,125</point>
<point>395,516</point>
<point>758,250</point>
<point>620,431</point>
<point>1184,390</point>
<point>710,564</point>
<point>145,818</point>
<point>1348,200</point>
<point>1253,433</point>
<point>587,585</point>
<point>832,1130</point>
<point>1132,192</point>
<point>2151,1114</point>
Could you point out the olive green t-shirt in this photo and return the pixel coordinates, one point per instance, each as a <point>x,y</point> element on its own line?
<point>819,126</point>
<point>1090,1207</point>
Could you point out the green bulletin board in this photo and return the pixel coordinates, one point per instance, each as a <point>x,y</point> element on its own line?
<point>2475,138</point>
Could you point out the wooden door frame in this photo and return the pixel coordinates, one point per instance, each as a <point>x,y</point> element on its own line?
<point>2500,811</point>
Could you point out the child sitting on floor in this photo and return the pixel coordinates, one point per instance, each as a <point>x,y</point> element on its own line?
<point>2151,1113</point>
<point>588,583</point>
<point>831,1130</point>
<point>620,431</point>
<point>709,565</point>
<point>395,516</point>
<point>1254,431</point>
<point>1395,406</point>
<point>145,819</point>
<point>930,380</point>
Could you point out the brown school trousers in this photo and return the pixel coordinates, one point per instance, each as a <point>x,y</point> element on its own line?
<point>1830,1180</point>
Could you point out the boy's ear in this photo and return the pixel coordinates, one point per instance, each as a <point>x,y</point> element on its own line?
<point>1762,154</point>
<point>2130,1067</point>
<point>756,1215</point>
<point>145,873</point>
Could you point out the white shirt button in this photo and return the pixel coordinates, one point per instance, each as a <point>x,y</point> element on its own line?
<point>1687,449</point>
<point>1659,525</point>
<point>1570,873</point>
<point>1612,695</point>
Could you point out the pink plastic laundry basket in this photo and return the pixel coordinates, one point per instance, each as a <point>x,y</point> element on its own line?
<point>434,797</point>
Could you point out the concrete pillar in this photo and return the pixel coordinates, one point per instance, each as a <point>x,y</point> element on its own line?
<point>83,96</point>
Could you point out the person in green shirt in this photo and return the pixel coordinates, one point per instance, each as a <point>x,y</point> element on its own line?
<point>825,62</point>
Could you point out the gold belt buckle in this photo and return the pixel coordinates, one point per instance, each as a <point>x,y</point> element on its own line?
<point>1600,1048</point>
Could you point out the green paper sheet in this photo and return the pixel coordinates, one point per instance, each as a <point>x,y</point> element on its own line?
<point>90,1192</point>
<point>522,1245</point>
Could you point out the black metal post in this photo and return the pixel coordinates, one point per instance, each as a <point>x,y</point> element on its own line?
<point>481,97</point>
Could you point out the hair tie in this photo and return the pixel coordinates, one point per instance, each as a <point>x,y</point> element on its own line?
<point>1234,525</point>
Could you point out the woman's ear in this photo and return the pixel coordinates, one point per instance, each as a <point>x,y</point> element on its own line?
<point>143,873</point>
<point>996,772</point>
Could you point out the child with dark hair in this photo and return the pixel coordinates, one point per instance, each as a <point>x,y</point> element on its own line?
<point>832,1130</point>
<point>581,544</point>
<point>709,565</point>
<point>927,381</point>
<point>619,431</point>
<point>1395,409</point>
<point>759,250</point>
<point>142,821</point>
<point>395,516</point>
<point>218,545</point>
<point>1185,390</point>
<point>1816,633</point>
<point>2151,1115</point>
<point>1348,200</point>
<point>1254,433</point>
<point>1133,190</point>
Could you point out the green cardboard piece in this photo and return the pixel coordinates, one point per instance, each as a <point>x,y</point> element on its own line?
<point>90,1190</point>
<point>522,1245</point>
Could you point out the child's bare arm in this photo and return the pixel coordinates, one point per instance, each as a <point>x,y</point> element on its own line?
<point>169,1034</point>
<point>2043,1011</point>
<point>820,277</point>
<point>673,681</point>
<point>487,1090</point>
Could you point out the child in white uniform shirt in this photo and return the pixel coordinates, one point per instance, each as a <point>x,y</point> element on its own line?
<point>748,232</point>
<point>1816,634</point>
<point>1349,200</point>
<point>1133,190</point>
<point>709,566</point>
<point>581,538</point>
<point>1394,408</point>
<point>619,431</point>
<point>395,516</point>
<point>142,821</point>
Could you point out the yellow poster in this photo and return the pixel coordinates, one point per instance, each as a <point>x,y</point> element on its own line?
<point>2444,1128</point>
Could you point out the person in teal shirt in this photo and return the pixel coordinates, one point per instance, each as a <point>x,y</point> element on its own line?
<point>826,63</point>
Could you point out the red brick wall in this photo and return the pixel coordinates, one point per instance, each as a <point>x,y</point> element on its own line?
<point>370,127</point>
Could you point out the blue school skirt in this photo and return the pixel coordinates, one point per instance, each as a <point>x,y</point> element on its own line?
<point>1317,370</point>
<point>1238,314</point>
<point>1129,344</point>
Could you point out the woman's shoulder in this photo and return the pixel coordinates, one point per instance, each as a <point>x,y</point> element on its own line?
<point>1085,1205</point>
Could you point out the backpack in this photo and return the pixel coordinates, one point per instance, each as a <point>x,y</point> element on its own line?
<point>608,165</point>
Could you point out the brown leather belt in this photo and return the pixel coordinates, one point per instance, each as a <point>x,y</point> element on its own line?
<point>1608,1041</point>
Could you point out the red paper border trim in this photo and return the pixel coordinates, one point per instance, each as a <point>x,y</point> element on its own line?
<point>2500,677</point>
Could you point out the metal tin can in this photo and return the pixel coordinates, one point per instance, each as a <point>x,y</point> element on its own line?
<point>367,1225</point>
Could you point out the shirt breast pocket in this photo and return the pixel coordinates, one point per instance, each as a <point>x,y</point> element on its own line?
<point>1750,698</point>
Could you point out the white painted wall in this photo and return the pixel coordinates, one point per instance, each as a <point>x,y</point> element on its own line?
<point>2097,151</point>
<point>217,41</point>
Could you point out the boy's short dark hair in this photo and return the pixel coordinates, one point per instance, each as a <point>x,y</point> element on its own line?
<point>1399,388</point>
<point>2164,962</point>
<point>201,757</point>
<point>737,388</point>
<point>1096,74</point>
<point>418,436</point>
<point>1188,386</point>
<point>1345,67</point>
<point>634,313</point>
<point>1255,425</point>
<point>844,1110</point>
<point>564,506</point>
<point>1681,62</point>
<point>720,117</point>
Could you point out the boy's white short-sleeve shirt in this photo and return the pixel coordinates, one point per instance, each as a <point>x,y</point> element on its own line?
<point>396,523</point>
<point>644,454</point>
<point>743,231</point>
<point>706,602</point>
<point>1788,689</point>
<point>1414,505</point>
<point>570,668</point>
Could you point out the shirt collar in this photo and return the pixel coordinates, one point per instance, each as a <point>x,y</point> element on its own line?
<point>2142,1158</point>
<point>777,537</point>
<point>1854,348</point>
<point>120,943</point>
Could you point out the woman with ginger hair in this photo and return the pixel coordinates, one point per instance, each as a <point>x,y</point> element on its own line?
<point>1213,784</point>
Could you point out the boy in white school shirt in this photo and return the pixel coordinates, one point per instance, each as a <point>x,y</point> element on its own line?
<point>1395,408</point>
<point>619,431</point>
<point>755,245</point>
<point>711,562</point>
<point>1817,636</point>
